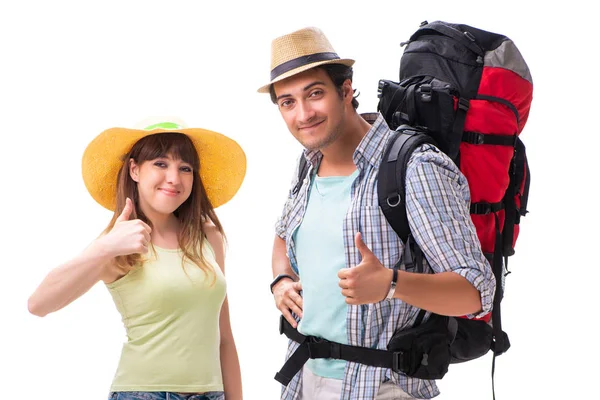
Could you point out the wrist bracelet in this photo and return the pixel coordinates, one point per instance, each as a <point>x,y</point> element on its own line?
<point>278,278</point>
<point>392,290</point>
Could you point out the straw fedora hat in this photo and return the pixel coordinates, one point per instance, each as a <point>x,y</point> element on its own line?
<point>299,51</point>
<point>222,160</point>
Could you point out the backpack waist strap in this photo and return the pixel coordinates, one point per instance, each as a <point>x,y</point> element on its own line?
<point>315,347</point>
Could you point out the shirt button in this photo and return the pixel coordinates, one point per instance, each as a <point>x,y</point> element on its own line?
<point>298,219</point>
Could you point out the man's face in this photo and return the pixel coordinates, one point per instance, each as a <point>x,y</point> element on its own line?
<point>312,108</point>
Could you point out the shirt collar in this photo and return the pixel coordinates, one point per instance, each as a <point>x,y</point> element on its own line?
<point>370,148</point>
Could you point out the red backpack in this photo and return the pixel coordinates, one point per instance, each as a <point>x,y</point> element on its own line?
<point>468,91</point>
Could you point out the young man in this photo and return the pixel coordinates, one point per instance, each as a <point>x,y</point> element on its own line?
<point>334,252</point>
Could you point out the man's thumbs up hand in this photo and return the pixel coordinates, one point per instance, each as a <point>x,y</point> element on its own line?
<point>369,281</point>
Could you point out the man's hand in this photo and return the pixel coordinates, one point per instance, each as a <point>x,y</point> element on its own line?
<point>288,299</point>
<point>369,281</point>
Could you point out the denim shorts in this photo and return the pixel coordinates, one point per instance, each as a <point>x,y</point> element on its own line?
<point>165,396</point>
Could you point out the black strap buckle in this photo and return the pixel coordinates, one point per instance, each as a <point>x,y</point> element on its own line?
<point>398,362</point>
<point>323,348</point>
<point>380,86</point>
<point>425,91</point>
<point>473,138</point>
<point>464,104</point>
<point>481,208</point>
<point>484,208</point>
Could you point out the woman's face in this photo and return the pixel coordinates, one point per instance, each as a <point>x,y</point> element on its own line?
<point>163,184</point>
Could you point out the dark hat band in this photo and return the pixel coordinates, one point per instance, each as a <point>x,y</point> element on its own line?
<point>301,61</point>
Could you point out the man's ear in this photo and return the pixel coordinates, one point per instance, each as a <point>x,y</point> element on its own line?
<point>347,90</point>
<point>134,170</point>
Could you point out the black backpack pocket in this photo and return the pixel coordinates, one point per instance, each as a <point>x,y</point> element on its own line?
<point>473,340</point>
<point>424,351</point>
<point>423,102</point>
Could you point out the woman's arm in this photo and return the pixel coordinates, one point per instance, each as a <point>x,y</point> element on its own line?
<point>72,279</point>
<point>230,365</point>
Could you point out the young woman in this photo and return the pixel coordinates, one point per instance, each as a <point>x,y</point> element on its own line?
<point>162,259</point>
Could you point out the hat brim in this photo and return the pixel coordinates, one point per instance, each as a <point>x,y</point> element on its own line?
<point>222,162</point>
<point>344,61</point>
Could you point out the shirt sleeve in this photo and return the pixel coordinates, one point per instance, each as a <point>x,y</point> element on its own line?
<point>437,202</point>
<point>282,221</point>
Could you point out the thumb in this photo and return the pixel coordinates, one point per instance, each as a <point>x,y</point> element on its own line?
<point>126,211</point>
<point>361,246</point>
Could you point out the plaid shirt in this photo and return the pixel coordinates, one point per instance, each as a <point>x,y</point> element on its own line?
<point>437,201</point>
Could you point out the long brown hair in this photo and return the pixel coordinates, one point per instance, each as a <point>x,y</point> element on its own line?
<point>192,214</point>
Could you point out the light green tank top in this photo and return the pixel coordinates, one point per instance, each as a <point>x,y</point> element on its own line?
<point>171,317</point>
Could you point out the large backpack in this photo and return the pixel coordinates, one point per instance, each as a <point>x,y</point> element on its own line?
<point>468,91</point>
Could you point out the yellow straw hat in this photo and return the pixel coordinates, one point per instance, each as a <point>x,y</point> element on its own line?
<point>222,160</point>
<point>300,51</point>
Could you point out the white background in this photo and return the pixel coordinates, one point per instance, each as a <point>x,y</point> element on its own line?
<point>69,70</point>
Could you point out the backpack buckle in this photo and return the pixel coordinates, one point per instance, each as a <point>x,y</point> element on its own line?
<point>380,86</point>
<point>397,361</point>
<point>464,104</point>
<point>473,138</point>
<point>481,208</point>
<point>425,90</point>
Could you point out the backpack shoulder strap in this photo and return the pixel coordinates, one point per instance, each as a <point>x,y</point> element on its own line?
<point>391,192</point>
<point>392,176</point>
<point>302,172</point>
